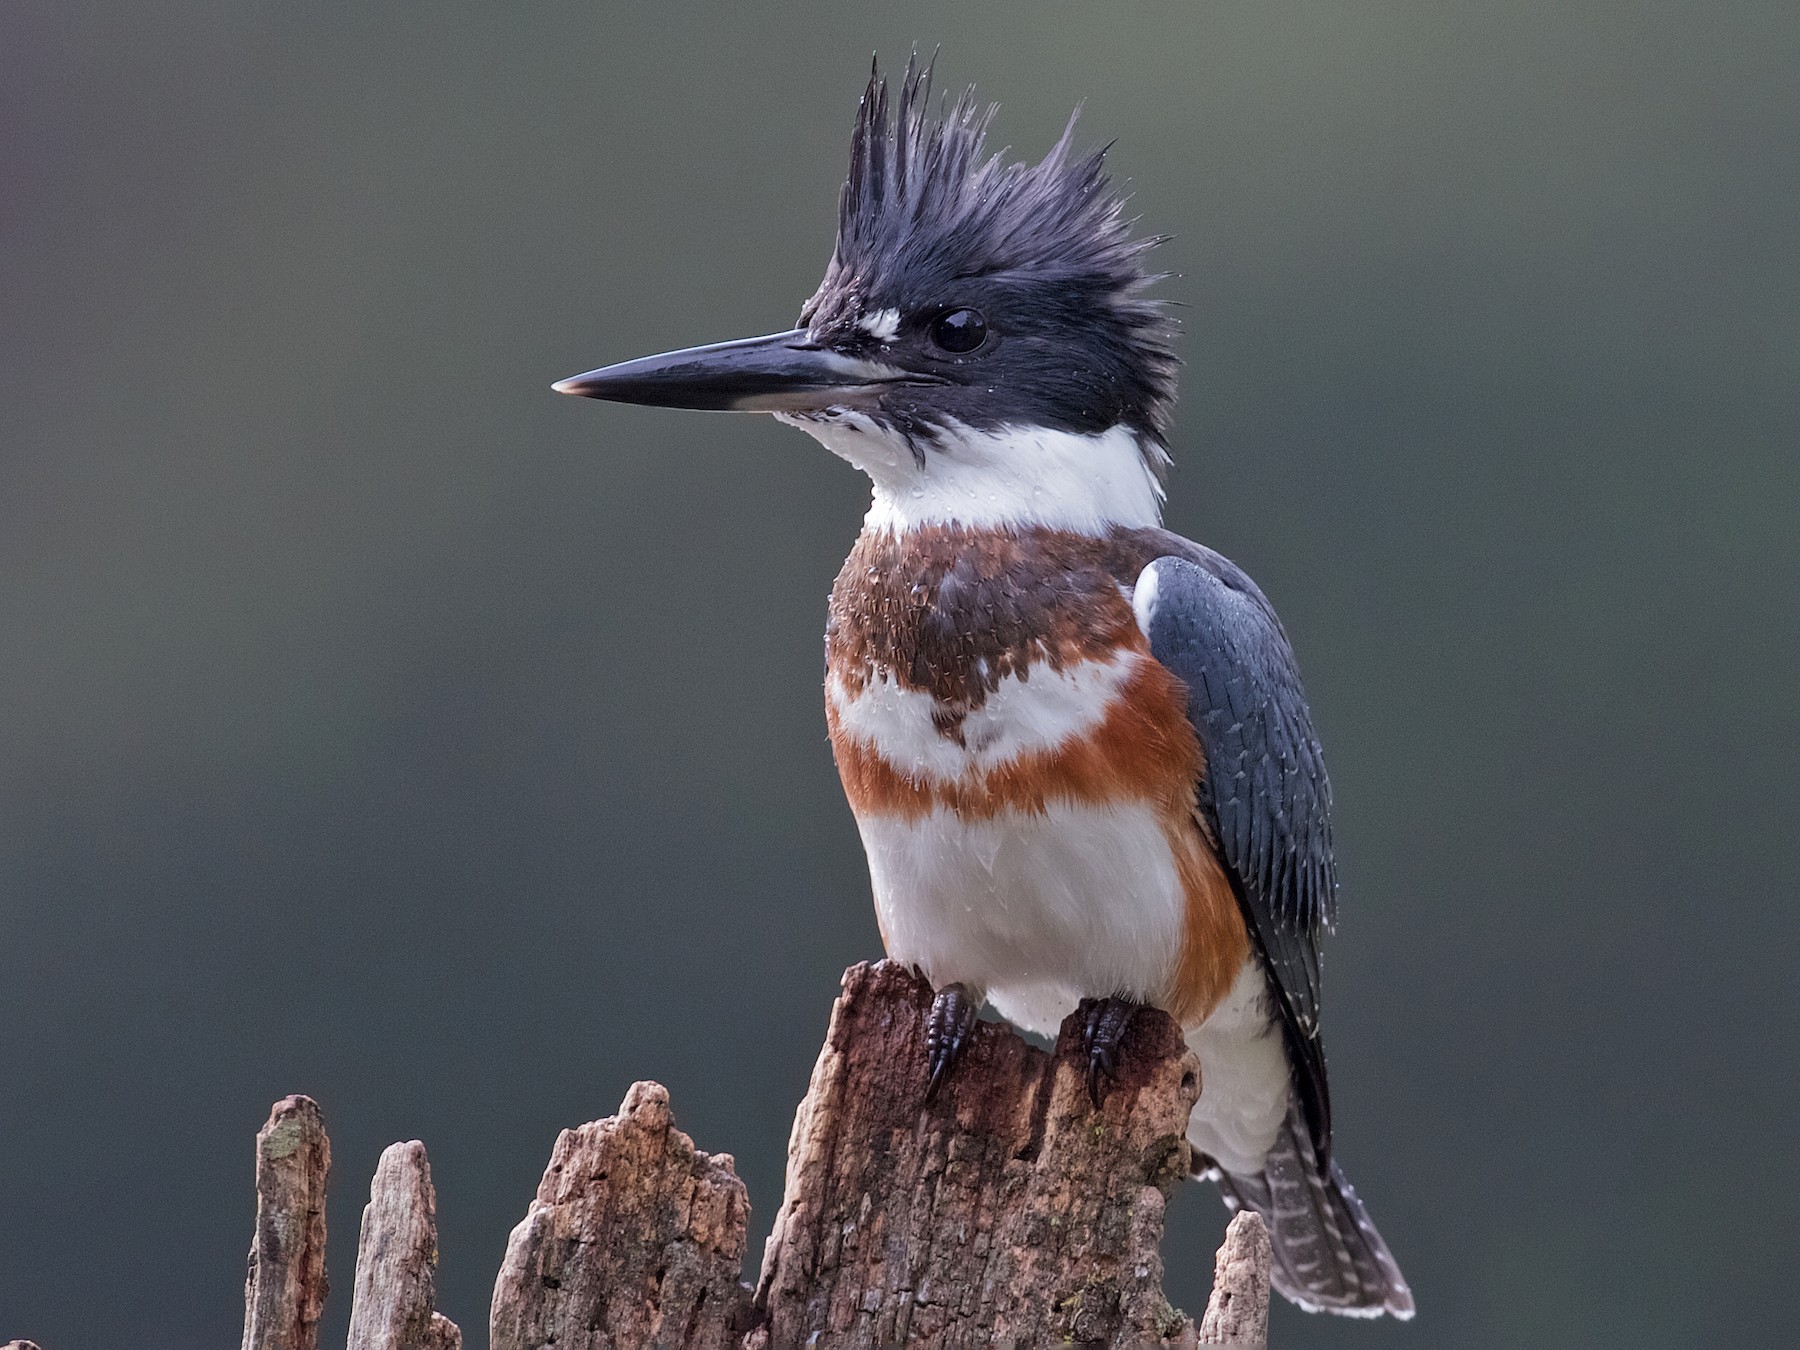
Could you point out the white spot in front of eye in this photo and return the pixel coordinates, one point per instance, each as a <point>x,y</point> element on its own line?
<point>881,324</point>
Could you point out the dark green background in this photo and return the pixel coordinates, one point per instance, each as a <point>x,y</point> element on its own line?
<point>378,725</point>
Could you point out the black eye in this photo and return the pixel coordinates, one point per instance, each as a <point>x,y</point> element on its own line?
<point>959,331</point>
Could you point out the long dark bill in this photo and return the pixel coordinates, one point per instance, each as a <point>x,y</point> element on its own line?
<point>783,372</point>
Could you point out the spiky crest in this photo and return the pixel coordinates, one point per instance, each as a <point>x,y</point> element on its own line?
<point>926,213</point>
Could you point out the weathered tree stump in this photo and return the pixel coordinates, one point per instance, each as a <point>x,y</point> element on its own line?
<point>394,1300</point>
<point>1008,1212</point>
<point>284,1290</point>
<point>1238,1311</point>
<point>635,1238</point>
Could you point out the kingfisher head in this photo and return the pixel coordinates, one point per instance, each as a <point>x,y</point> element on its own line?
<point>982,345</point>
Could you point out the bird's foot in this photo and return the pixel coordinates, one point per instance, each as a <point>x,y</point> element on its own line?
<point>947,1028</point>
<point>1103,1027</point>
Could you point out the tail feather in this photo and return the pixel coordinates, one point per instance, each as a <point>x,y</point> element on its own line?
<point>1328,1256</point>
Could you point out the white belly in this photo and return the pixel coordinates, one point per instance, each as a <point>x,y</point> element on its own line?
<point>1036,911</point>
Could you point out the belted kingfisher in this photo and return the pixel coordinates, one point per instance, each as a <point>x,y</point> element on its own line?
<point>1076,745</point>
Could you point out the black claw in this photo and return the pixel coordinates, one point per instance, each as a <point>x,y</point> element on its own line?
<point>947,1029</point>
<point>1101,1032</point>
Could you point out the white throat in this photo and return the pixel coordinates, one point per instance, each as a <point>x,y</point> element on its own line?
<point>1013,476</point>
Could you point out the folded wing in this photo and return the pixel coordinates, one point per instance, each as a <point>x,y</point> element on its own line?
<point>1263,797</point>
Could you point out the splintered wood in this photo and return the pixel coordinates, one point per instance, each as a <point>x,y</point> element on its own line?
<point>1238,1311</point>
<point>1008,1212</point>
<point>635,1238</point>
<point>392,1306</point>
<point>284,1291</point>
<point>284,1294</point>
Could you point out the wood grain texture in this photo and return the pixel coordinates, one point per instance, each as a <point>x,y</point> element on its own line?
<point>1238,1311</point>
<point>285,1288</point>
<point>1010,1212</point>
<point>396,1259</point>
<point>635,1238</point>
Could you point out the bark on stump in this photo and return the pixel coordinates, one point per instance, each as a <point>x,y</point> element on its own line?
<point>635,1238</point>
<point>392,1306</point>
<point>284,1290</point>
<point>1008,1212</point>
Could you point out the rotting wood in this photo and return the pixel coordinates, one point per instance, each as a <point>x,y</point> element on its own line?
<point>393,1303</point>
<point>1238,1311</point>
<point>285,1287</point>
<point>1008,1212</point>
<point>635,1238</point>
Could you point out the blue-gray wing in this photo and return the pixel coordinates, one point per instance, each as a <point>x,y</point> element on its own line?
<point>1263,796</point>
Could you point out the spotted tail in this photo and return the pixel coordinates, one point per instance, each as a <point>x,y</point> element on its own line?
<point>1328,1256</point>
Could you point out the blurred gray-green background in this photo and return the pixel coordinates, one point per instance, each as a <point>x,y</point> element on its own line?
<point>380,726</point>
